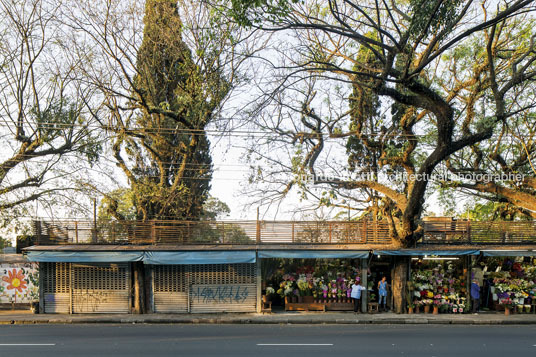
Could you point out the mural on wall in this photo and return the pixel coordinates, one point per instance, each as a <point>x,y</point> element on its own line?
<point>19,283</point>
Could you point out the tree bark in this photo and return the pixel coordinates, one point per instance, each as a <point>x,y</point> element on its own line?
<point>139,291</point>
<point>399,284</point>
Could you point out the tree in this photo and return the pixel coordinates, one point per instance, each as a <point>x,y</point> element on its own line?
<point>159,94</point>
<point>44,123</point>
<point>397,52</point>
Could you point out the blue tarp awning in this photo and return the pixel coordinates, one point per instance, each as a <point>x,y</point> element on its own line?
<point>509,253</point>
<point>200,257</point>
<point>84,257</point>
<point>403,252</point>
<point>348,254</point>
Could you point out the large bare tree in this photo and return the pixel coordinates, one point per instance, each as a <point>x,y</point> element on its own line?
<point>370,76</point>
<point>163,69</point>
<point>43,124</point>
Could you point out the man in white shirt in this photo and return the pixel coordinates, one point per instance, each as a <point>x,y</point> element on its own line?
<point>356,294</point>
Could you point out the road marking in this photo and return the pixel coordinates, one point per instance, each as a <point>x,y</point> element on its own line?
<point>27,344</point>
<point>294,344</point>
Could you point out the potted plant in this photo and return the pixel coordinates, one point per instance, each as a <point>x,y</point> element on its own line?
<point>507,303</point>
<point>411,306</point>
<point>436,306</point>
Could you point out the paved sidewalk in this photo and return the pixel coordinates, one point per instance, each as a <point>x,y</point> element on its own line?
<point>489,318</point>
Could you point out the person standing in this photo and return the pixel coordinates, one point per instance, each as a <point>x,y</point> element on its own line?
<point>475,295</point>
<point>356,294</point>
<point>382,291</point>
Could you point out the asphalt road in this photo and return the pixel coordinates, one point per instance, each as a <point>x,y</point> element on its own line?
<point>266,340</point>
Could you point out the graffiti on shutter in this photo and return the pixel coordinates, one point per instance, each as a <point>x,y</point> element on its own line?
<point>223,287</point>
<point>101,288</point>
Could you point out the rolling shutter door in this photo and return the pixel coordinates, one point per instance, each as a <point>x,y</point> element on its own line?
<point>223,288</point>
<point>56,289</point>
<point>170,288</point>
<point>101,288</point>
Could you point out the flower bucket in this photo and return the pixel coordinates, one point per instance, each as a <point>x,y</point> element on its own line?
<point>454,309</point>
<point>527,308</point>
<point>426,309</point>
<point>507,311</point>
<point>520,308</point>
<point>410,310</point>
<point>417,309</point>
<point>436,310</point>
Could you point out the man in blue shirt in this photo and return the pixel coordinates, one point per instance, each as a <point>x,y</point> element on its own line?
<point>475,295</point>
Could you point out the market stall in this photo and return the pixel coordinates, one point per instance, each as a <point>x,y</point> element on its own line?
<point>312,284</point>
<point>509,281</point>
<point>437,285</point>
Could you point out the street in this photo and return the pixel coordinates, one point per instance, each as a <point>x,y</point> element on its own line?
<point>266,340</point>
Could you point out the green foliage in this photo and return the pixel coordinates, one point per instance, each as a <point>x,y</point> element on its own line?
<point>492,211</point>
<point>4,242</point>
<point>430,16</point>
<point>214,208</point>
<point>177,99</point>
<point>246,13</point>
<point>63,120</point>
<point>119,202</point>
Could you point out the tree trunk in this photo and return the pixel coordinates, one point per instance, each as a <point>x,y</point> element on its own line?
<point>139,290</point>
<point>399,283</point>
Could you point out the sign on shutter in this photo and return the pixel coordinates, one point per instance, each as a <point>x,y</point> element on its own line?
<point>204,288</point>
<point>223,288</point>
<point>223,298</point>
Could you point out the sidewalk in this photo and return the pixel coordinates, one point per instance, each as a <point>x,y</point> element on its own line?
<point>487,318</point>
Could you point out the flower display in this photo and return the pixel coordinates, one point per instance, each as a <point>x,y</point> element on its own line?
<point>516,284</point>
<point>439,284</point>
<point>326,280</point>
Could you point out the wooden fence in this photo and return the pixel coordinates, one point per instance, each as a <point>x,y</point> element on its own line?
<point>211,232</point>
<point>474,232</point>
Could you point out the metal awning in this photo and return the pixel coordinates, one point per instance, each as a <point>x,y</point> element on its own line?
<point>406,252</point>
<point>84,257</point>
<point>348,254</point>
<point>200,257</point>
<point>509,253</point>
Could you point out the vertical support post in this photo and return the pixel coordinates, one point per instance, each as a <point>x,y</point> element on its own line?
<point>365,233</point>
<point>468,272</point>
<point>258,230</point>
<point>189,286</point>
<point>223,232</point>
<point>364,282</point>
<point>38,230</point>
<point>71,283</point>
<point>329,231</point>
<point>292,231</point>
<point>259,282</point>
<point>42,272</point>
<point>149,289</point>
<point>76,230</point>
<point>94,236</point>
<point>153,232</point>
<point>469,231</point>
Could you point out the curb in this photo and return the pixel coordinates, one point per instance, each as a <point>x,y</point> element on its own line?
<point>266,321</point>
